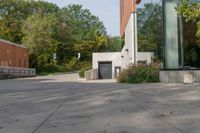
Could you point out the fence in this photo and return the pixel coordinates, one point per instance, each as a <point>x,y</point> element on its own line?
<point>15,72</point>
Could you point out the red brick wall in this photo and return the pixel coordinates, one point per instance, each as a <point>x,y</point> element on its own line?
<point>13,56</point>
<point>126,8</point>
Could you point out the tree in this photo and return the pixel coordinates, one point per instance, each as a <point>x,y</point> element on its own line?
<point>190,10</point>
<point>13,13</point>
<point>150,28</point>
<point>45,28</point>
<point>38,33</point>
<point>114,44</point>
<point>87,32</point>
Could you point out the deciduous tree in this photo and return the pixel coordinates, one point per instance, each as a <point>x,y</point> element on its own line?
<point>38,33</point>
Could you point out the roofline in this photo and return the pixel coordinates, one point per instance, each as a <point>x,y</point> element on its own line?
<point>11,43</point>
<point>136,2</point>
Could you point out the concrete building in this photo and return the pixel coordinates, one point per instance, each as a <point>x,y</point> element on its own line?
<point>110,64</point>
<point>13,55</point>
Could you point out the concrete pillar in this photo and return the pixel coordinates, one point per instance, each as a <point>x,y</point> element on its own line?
<point>171,35</point>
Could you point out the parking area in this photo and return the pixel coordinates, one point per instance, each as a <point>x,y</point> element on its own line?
<point>64,104</point>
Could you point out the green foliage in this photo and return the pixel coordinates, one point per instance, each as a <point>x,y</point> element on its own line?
<point>114,44</point>
<point>46,29</point>
<point>51,68</point>
<point>86,32</point>
<point>141,73</point>
<point>13,13</point>
<point>191,55</point>
<point>190,10</point>
<point>38,37</point>
<point>11,19</point>
<point>73,64</point>
<point>82,73</point>
<point>85,66</point>
<point>150,30</point>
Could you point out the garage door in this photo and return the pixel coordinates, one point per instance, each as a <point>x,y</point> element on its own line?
<point>105,70</point>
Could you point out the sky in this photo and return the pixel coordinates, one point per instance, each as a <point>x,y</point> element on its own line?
<point>106,10</point>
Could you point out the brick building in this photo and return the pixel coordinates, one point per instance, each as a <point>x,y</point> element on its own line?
<point>127,7</point>
<point>13,55</point>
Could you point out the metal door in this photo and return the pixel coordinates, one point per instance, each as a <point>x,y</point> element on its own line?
<point>105,70</point>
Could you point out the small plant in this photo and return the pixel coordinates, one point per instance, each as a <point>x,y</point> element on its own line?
<point>141,73</point>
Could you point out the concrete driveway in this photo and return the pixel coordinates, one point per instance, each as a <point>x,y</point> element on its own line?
<point>63,104</point>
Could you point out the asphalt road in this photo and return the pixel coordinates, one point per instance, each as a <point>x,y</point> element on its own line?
<point>64,104</point>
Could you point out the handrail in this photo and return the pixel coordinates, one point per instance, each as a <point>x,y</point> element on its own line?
<point>17,71</point>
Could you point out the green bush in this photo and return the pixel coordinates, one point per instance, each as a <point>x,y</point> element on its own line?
<point>72,65</point>
<point>85,66</point>
<point>51,68</point>
<point>82,73</point>
<point>141,73</point>
<point>123,76</point>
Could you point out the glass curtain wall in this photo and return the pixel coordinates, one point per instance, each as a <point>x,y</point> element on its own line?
<point>149,17</point>
<point>181,50</point>
<point>162,31</point>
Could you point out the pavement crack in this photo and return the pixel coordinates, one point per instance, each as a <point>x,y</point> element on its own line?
<point>43,122</point>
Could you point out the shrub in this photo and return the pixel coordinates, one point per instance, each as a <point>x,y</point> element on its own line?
<point>73,64</point>
<point>141,73</point>
<point>82,73</point>
<point>85,66</point>
<point>51,68</point>
<point>123,76</point>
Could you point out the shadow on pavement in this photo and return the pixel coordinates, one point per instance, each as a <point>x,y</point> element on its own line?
<point>48,105</point>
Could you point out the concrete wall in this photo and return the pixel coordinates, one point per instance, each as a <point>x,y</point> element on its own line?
<point>181,76</point>
<point>92,74</point>
<point>13,55</point>
<point>114,57</point>
<point>129,51</point>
